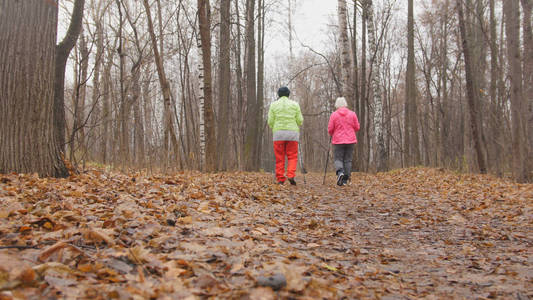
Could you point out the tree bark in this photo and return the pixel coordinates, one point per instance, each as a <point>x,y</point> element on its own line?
<point>260,80</point>
<point>204,16</point>
<point>512,32</point>
<point>346,59</point>
<point>27,58</point>
<point>528,74</point>
<point>224,81</point>
<point>252,127</point>
<point>495,119</point>
<point>411,141</point>
<point>470,90</point>
<point>381,155</point>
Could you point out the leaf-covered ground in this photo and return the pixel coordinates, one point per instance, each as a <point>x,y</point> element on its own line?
<point>407,234</point>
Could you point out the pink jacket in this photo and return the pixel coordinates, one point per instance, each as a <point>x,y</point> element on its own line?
<point>342,126</point>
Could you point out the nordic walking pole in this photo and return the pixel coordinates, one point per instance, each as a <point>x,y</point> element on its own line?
<point>300,160</point>
<point>327,160</point>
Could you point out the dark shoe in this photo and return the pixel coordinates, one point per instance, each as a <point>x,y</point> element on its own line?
<point>345,180</point>
<point>292,181</point>
<point>340,178</point>
<point>281,182</point>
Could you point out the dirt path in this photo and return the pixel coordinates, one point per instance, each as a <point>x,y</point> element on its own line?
<point>415,233</point>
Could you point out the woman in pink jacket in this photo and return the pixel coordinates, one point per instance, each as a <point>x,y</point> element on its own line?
<point>342,126</point>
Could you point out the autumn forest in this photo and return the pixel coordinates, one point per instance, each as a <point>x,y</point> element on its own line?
<point>136,161</point>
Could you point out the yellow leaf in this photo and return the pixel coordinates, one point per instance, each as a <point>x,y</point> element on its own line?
<point>333,269</point>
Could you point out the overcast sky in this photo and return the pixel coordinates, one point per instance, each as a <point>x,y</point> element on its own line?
<point>310,20</point>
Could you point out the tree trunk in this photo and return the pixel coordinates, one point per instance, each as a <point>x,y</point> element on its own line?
<point>27,58</point>
<point>512,32</point>
<point>62,52</point>
<point>358,103</point>
<point>411,142</point>
<point>528,74</point>
<point>204,17</point>
<point>165,87</point>
<point>240,113</point>
<point>260,80</point>
<point>495,119</point>
<point>363,117</point>
<point>470,91</point>
<point>346,60</point>
<point>381,155</point>
<point>252,127</point>
<point>224,81</point>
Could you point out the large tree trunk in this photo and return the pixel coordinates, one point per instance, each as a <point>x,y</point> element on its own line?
<point>470,91</point>
<point>512,32</point>
<point>224,81</point>
<point>252,127</point>
<point>411,142</point>
<point>27,57</point>
<point>381,154</point>
<point>62,52</point>
<point>204,18</point>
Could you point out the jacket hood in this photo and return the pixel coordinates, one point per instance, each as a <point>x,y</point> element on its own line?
<point>343,111</point>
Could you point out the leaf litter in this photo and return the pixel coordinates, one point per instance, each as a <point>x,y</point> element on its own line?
<point>405,234</point>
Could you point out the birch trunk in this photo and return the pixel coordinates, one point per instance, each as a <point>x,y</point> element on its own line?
<point>346,59</point>
<point>381,155</point>
<point>208,147</point>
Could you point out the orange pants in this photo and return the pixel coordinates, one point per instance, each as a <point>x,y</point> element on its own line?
<point>282,149</point>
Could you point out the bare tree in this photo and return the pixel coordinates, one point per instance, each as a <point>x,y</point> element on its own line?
<point>252,124</point>
<point>470,90</point>
<point>224,80</point>
<point>62,53</point>
<point>346,58</point>
<point>528,72</point>
<point>381,156</point>
<point>512,32</point>
<point>27,57</point>
<point>165,86</point>
<point>411,148</point>
<point>204,18</point>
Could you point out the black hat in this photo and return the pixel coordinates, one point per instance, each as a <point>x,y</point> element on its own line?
<point>283,91</point>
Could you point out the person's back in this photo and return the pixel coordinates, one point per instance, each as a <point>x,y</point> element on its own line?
<point>342,126</point>
<point>284,114</point>
<point>285,118</point>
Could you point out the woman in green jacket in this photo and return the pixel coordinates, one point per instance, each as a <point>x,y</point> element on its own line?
<point>285,118</point>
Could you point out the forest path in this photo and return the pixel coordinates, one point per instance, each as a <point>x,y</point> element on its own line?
<point>410,233</point>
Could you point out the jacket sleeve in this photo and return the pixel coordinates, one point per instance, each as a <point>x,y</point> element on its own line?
<point>271,117</point>
<point>356,126</point>
<point>299,117</point>
<point>331,125</point>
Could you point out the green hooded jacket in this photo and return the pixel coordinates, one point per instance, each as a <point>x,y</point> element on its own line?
<point>285,114</point>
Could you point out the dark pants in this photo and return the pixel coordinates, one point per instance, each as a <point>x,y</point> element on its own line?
<point>343,154</point>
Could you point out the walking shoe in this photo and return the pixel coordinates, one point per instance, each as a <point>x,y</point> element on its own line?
<point>340,179</point>
<point>345,180</point>
<point>292,181</point>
